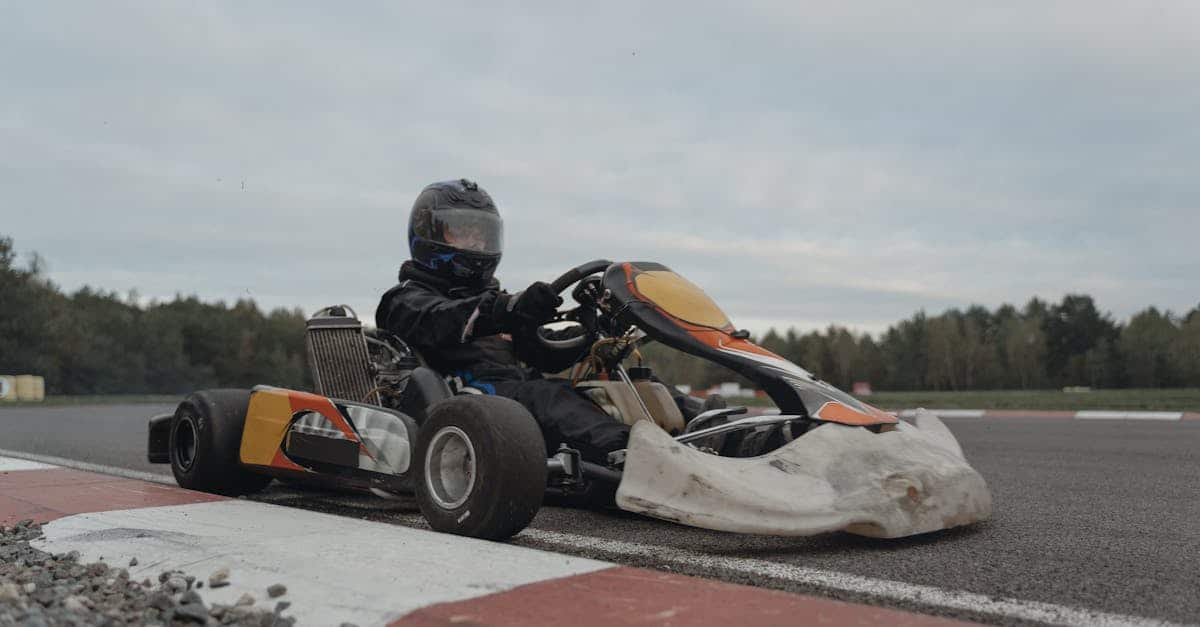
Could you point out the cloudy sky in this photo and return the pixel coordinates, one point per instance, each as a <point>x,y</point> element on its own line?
<point>807,163</point>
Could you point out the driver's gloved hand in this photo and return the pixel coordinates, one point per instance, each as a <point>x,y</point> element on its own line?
<point>532,306</point>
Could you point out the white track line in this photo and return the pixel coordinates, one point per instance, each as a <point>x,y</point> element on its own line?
<point>1129,415</point>
<point>921,595</point>
<point>8,464</point>
<point>928,596</point>
<point>100,468</point>
<point>945,413</point>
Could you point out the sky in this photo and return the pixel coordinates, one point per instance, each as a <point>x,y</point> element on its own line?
<point>806,163</point>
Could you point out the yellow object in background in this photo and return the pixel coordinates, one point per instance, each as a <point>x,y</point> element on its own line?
<point>22,387</point>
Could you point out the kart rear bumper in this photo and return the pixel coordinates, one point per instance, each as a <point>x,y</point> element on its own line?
<point>911,480</point>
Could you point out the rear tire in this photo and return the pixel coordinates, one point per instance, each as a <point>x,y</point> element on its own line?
<point>205,444</point>
<point>481,467</point>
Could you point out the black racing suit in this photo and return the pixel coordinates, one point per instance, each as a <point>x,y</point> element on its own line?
<point>453,329</point>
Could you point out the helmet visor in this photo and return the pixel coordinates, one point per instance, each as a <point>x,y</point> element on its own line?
<point>467,229</point>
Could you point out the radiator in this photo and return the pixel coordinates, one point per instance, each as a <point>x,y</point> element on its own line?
<point>337,355</point>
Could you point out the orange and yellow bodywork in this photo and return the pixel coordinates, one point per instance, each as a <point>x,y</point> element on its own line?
<point>696,324</point>
<point>271,412</point>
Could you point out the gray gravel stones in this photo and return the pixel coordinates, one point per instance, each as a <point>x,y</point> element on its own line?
<point>276,590</point>
<point>9,592</point>
<point>219,579</point>
<point>38,589</point>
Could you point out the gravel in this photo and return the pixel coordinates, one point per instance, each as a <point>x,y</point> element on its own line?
<point>39,589</point>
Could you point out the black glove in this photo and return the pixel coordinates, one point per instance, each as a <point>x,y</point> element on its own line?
<point>530,307</point>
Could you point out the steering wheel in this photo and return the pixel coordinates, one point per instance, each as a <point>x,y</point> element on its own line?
<point>569,349</point>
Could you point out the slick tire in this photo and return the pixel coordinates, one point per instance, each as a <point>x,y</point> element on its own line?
<point>206,437</point>
<point>481,467</point>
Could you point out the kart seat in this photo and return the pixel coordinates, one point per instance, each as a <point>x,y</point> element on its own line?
<point>424,388</point>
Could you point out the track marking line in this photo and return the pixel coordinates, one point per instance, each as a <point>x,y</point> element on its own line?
<point>1129,415</point>
<point>100,468</point>
<point>945,413</point>
<point>17,465</point>
<point>883,589</point>
<point>920,595</point>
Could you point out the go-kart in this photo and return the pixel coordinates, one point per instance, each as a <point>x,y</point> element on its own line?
<point>382,421</point>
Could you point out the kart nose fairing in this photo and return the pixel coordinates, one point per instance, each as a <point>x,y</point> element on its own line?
<point>906,481</point>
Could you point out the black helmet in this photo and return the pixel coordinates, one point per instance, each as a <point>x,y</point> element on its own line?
<point>455,231</point>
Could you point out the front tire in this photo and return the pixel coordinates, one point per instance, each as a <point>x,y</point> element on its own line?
<point>481,467</point>
<point>205,441</point>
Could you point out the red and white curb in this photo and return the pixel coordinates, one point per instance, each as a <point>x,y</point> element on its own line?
<point>370,573</point>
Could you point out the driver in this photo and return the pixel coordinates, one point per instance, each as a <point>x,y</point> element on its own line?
<point>450,308</point>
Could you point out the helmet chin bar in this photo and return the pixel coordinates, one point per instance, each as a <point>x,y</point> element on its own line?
<point>455,231</point>
<point>451,263</point>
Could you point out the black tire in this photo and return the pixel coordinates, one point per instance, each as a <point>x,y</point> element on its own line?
<point>504,447</point>
<point>206,437</point>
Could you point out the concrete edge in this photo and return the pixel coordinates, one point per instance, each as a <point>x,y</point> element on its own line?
<point>373,573</point>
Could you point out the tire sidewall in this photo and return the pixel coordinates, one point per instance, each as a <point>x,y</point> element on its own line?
<point>218,418</point>
<point>188,411</point>
<point>510,466</point>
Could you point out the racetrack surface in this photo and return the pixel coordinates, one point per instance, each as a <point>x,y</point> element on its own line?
<point>1099,515</point>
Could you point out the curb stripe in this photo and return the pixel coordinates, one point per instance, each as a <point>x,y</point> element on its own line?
<point>378,571</point>
<point>1017,413</point>
<point>624,596</point>
<point>335,568</point>
<point>1011,609</point>
<point>116,471</point>
<point>15,465</point>
<point>46,495</point>
<point>1167,416</point>
<point>1128,415</point>
<point>945,413</point>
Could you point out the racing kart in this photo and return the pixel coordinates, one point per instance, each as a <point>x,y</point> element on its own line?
<point>381,420</point>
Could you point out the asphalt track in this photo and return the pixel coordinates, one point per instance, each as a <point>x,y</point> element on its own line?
<point>1097,515</point>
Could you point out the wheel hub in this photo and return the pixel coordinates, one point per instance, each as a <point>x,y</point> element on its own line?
<point>450,467</point>
<point>185,443</point>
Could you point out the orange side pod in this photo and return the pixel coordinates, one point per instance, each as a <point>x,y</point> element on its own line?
<point>268,417</point>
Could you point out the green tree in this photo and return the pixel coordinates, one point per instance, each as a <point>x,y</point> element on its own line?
<point>1184,353</point>
<point>1146,344</point>
<point>1073,327</point>
<point>1025,352</point>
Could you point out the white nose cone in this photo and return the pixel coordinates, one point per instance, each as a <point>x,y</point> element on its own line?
<point>903,482</point>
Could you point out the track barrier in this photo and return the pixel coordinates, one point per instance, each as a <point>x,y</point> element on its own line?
<point>22,387</point>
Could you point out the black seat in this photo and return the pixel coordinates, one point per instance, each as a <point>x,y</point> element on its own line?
<point>424,388</point>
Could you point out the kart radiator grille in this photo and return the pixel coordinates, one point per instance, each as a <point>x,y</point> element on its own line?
<point>337,354</point>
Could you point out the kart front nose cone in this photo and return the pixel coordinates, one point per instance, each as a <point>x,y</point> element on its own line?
<point>908,481</point>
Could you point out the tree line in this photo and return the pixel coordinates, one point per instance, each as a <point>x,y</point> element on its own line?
<point>1042,345</point>
<point>97,342</point>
